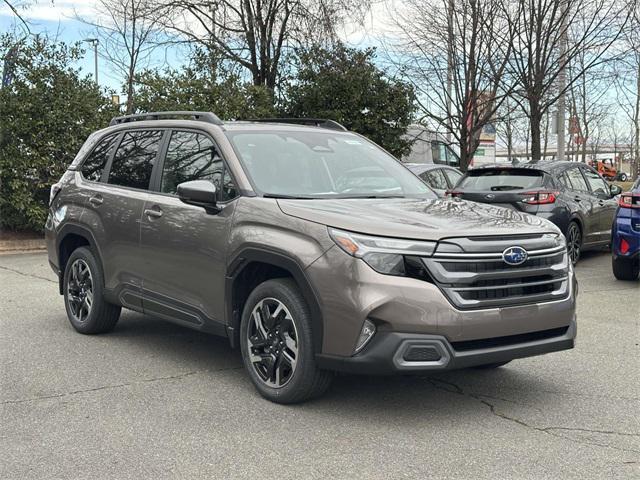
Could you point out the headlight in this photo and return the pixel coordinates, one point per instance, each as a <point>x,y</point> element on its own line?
<point>384,255</point>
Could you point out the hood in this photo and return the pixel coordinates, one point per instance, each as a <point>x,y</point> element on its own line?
<point>416,218</point>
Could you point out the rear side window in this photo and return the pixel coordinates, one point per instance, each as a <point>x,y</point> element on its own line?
<point>502,179</point>
<point>453,176</point>
<point>577,180</point>
<point>193,156</point>
<point>94,164</point>
<point>134,159</point>
<point>435,178</point>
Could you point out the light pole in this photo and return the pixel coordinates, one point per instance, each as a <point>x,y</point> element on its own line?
<point>94,42</point>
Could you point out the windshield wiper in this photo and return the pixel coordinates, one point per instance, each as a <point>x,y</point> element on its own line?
<point>369,196</point>
<point>288,197</point>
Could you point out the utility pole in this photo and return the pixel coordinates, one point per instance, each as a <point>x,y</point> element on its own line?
<point>562,85</point>
<point>94,42</point>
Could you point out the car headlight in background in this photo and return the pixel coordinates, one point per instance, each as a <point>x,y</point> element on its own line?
<point>383,254</point>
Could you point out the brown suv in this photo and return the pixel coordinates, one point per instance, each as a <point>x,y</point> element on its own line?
<point>306,245</point>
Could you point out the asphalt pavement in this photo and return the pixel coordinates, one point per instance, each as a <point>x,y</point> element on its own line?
<point>153,400</point>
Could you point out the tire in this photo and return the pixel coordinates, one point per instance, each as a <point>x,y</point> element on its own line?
<point>574,241</point>
<point>625,268</point>
<point>490,366</point>
<point>83,287</point>
<point>276,329</point>
<point>623,177</point>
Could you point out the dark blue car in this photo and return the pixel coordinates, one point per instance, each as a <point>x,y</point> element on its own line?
<point>626,235</point>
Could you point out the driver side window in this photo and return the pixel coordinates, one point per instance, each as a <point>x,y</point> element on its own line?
<point>193,156</point>
<point>597,184</point>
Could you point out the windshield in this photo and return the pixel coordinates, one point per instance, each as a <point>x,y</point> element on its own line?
<point>322,164</point>
<point>502,179</point>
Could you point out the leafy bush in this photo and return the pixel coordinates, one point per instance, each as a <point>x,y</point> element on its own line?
<point>46,112</point>
<point>345,85</point>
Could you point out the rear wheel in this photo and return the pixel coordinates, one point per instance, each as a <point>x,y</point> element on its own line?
<point>277,344</point>
<point>83,288</point>
<point>623,177</point>
<point>574,242</point>
<point>625,268</point>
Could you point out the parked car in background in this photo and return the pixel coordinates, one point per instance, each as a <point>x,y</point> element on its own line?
<point>439,177</point>
<point>625,245</point>
<point>571,195</point>
<point>429,147</point>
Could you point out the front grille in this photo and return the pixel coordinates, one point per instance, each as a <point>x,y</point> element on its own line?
<point>472,274</point>
<point>508,340</point>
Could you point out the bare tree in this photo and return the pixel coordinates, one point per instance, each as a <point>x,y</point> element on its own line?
<point>538,28</point>
<point>255,33</point>
<point>455,54</point>
<point>128,33</point>
<point>628,81</point>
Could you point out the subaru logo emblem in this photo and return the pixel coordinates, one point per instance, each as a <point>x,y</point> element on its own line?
<point>490,196</point>
<point>515,256</point>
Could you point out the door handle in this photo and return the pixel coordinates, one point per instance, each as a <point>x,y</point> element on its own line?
<point>96,200</point>
<point>154,212</point>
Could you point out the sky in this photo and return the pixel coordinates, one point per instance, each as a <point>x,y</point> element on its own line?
<point>58,19</point>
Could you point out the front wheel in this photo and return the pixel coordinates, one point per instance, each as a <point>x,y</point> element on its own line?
<point>625,268</point>
<point>277,344</point>
<point>623,177</point>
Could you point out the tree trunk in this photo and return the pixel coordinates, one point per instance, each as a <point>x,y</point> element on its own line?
<point>536,120</point>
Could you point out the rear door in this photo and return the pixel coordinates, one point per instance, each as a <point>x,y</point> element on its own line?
<point>184,245</point>
<point>114,208</point>
<point>604,205</point>
<point>580,194</point>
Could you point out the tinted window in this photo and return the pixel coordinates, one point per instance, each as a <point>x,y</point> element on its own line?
<point>93,166</point>
<point>564,180</point>
<point>502,179</point>
<point>597,184</point>
<point>193,156</point>
<point>320,163</point>
<point>577,180</point>
<point>435,178</point>
<point>134,159</point>
<point>454,176</point>
<point>442,154</point>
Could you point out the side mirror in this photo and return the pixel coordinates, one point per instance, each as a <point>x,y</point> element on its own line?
<point>615,190</point>
<point>198,192</point>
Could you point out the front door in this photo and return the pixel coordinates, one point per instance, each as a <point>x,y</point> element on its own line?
<point>185,246</point>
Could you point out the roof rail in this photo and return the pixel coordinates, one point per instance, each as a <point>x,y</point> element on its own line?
<point>200,116</point>
<point>314,122</point>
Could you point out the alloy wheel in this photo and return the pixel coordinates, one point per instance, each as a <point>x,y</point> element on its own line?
<point>80,290</point>
<point>574,241</point>
<point>272,342</point>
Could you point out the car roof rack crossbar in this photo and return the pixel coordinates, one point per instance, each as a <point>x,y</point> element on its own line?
<point>200,116</point>
<point>313,122</point>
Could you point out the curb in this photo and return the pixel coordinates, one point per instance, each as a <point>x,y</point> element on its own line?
<point>18,246</point>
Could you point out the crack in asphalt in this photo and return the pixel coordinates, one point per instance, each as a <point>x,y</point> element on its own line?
<point>31,275</point>
<point>455,389</point>
<point>120,385</point>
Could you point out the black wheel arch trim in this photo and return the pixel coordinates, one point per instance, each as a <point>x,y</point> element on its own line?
<point>82,231</point>
<point>256,254</point>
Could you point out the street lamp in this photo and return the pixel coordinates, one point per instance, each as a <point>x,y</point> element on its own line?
<point>94,42</point>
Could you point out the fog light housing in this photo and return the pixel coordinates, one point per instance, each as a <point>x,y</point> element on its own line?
<point>366,334</point>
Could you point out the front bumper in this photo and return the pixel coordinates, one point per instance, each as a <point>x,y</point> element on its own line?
<point>387,352</point>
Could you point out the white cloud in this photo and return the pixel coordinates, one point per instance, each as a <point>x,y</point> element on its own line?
<point>58,11</point>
